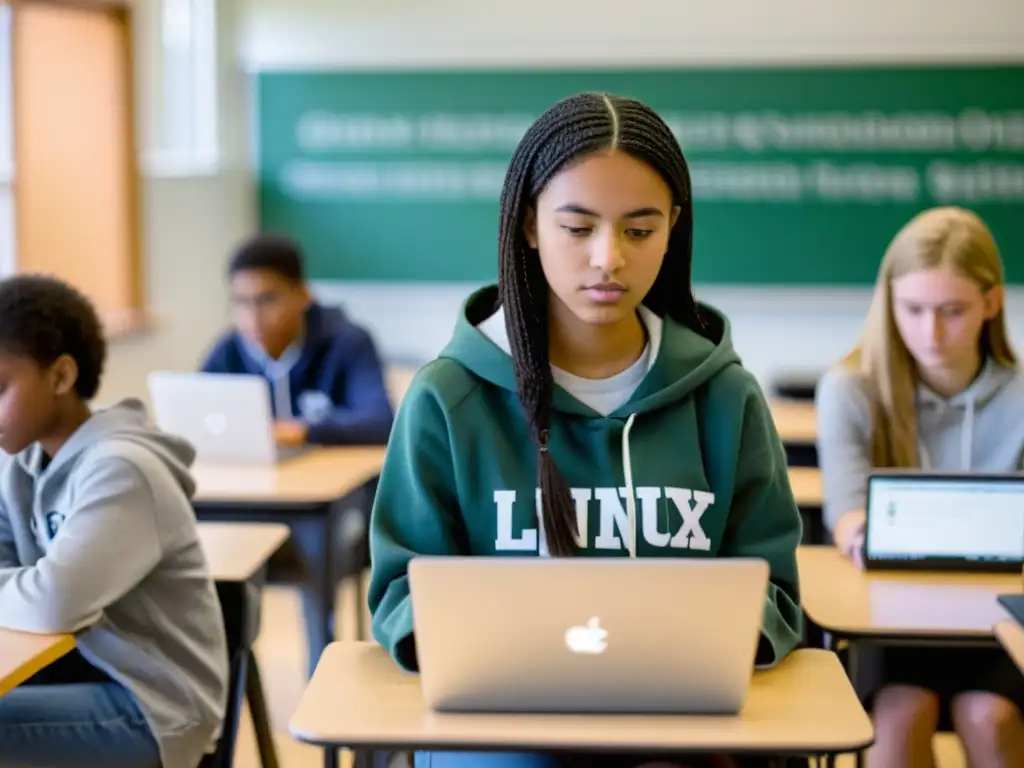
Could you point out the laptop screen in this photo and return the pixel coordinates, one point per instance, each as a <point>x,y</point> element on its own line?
<point>945,518</point>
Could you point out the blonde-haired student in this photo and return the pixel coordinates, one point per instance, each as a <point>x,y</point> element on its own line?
<point>933,384</point>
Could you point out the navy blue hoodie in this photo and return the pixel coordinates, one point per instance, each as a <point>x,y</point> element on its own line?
<point>330,379</point>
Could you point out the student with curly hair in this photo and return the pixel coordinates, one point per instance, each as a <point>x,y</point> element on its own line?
<point>98,538</point>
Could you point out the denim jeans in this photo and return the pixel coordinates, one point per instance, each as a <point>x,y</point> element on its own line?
<point>483,760</point>
<point>74,725</point>
<point>536,760</point>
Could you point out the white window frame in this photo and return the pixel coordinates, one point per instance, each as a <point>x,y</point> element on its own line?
<point>186,135</point>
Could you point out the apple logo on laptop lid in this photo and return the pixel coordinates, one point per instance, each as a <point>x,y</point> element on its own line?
<point>587,639</point>
<point>216,423</point>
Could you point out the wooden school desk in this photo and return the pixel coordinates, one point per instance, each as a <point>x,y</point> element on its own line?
<point>239,551</point>
<point>806,484</point>
<point>958,608</point>
<point>304,494</point>
<point>237,554</point>
<point>795,420</point>
<point>1010,635</point>
<point>359,698</point>
<point>898,608</point>
<point>23,654</point>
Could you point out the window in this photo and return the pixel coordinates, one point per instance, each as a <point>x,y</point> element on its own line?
<point>186,140</point>
<point>75,191</point>
<point>7,254</point>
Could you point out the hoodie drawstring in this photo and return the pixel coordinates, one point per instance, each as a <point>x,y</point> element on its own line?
<point>967,437</point>
<point>627,469</point>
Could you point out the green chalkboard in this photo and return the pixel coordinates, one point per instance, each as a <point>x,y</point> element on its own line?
<point>801,176</point>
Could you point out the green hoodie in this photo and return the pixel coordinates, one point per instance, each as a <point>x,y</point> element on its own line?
<point>709,472</point>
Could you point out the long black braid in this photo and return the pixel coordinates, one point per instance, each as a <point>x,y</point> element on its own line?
<point>572,129</point>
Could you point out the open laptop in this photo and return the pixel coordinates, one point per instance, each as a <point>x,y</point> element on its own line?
<point>1014,605</point>
<point>576,635</point>
<point>925,521</point>
<point>226,417</point>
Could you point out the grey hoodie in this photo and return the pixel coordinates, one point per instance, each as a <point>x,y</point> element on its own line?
<point>981,429</point>
<point>102,542</point>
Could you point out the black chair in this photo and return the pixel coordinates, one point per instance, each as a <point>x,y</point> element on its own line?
<point>240,606</point>
<point>800,387</point>
<point>801,454</point>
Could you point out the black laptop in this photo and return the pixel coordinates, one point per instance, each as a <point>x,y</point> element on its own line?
<point>1014,605</point>
<point>944,522</point>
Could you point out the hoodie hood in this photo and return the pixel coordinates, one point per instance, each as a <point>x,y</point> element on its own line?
<point>938,417</point>
<point>126,421</point>
<point>320,328</point>
<point>685,359</point>
<point>320,325</point>
<point>992,378</point>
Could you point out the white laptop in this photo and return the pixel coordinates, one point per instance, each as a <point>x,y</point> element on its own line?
<point>226,417</point>
<point>576,635</point>
<point>923,521</point>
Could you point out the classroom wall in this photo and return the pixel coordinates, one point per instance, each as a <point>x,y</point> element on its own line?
<point>190,221</point>
<point>296,32</point>
<point>773,329</point>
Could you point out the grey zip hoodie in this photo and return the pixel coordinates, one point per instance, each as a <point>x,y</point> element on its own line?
<point>980,428</point>
<point>102,542</point>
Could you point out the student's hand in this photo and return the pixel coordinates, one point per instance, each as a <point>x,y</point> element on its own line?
<point>849,536</point>
<point>289,433</point>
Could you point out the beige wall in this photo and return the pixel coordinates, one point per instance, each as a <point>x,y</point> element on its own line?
<point>390,32</point>
<point>189,224</point>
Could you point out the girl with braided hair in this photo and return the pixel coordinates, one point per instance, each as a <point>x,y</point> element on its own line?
<point>587,379</point>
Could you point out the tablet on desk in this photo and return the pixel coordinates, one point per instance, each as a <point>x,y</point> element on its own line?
<point>963,522</point>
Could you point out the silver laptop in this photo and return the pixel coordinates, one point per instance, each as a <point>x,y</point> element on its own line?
<point>576,635</point>
<point>227,417</point>
<point>944,521</point>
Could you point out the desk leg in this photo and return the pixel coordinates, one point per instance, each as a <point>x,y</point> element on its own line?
<point>313,538</point>
<point>361,629</point>
<point>330,757</point>
<point>851,672</point>
<point>260,718</point>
